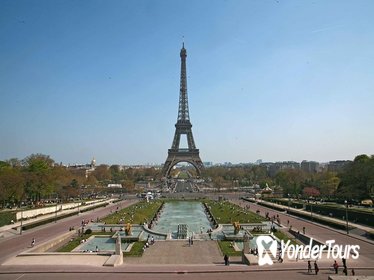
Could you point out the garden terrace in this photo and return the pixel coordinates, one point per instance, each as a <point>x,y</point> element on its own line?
<point>225,213</point>
<point>136,214</point>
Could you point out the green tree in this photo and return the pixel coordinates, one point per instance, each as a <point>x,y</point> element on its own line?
<point>357,180</point>
<point>38,175</point>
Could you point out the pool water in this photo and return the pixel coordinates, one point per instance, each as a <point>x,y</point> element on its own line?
<point>182,212</point>
<point>104,243</point>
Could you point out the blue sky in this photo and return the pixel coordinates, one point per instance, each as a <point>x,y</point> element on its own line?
<point>273,80</point>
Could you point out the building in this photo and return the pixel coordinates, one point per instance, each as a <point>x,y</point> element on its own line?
<point>338,165</point>
<point>309,166</point>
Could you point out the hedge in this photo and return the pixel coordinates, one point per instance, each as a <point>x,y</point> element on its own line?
<point>6,217</point>
<point>321,220</point>
<point>308,217</point>
<point>293,204</point>
<point>353,216</point>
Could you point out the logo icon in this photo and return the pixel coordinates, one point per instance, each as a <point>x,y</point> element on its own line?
<point>266,244</point>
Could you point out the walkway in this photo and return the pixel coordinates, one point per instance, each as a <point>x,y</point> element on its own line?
<point>320,232</point>
<point>8,230</point>
<point>179,252</point>
<point>335,220</point>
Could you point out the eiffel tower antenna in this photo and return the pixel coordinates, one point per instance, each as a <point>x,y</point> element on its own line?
<point>183,127</point>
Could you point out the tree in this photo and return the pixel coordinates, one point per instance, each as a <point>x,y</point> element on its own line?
<point>11,185</point>
<point>38,175</point>
<point>357,180</point>
<point>290,180</point>
<point>102,173</point>
<point>311,191</point>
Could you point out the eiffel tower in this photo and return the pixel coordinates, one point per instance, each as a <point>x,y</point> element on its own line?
<point>183,126</point>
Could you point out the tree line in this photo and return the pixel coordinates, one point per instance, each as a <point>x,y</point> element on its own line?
<point>355,181</point>
<point>38,177</point>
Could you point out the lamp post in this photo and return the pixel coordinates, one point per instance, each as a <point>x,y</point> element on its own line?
<point>79,203</point>
<point>289,201</point>
<point>346,214</point>
<point>56,210</point>
<point>20,229</point>
<point>311,209</point>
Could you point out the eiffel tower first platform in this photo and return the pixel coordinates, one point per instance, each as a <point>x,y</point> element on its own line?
<point>183,126</point>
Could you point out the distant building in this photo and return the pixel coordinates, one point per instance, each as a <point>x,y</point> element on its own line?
<point>88,167</point>
<point>338,165</point>
<point>274,168</point>
<point>309,166</point>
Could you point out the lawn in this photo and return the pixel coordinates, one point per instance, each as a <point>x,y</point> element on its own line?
<point>227,213</point>
<point>283,236</point>
<point>135,214</point>
<point>6,217</point>
<point>227,249</point>
<point>68,247</point>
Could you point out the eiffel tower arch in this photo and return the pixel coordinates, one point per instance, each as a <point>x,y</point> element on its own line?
<point>183,127</point>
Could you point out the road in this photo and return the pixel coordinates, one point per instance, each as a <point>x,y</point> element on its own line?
<point>319,232</point>
<point>12,246</point>
<point>176,275</point>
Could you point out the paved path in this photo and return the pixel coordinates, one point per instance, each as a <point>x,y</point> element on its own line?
<point>13,245</point>
<point>339,221</point>
<point>179,252</point>
<point>319,232</point>
<point>178,273</point>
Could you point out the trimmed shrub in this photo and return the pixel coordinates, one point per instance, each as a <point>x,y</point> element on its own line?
<point>353,216</point>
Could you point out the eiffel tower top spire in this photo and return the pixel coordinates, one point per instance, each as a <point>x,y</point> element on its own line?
<point>183,112</point>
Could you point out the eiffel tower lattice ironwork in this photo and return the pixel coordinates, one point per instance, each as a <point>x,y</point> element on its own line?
<point>183,127</point>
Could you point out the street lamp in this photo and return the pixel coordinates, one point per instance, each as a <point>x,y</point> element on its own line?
<point>20,230</point>
<point>289,200</point>
<point>346,214</point>
<point>311,209</point>
<point>56,210</point>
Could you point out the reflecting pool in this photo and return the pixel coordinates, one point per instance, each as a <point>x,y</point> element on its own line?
<point>182,212</point>
<point>103,243</point>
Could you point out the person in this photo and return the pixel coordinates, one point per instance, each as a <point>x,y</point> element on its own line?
<point>353,272</point>
<point>303,230</point>
<point>309,267</point>
<point>226,259</point>
<point>152,240</point>
<point>345,271</point>
<point>316,269</point>
<point>336,267</point>
<point>33,242</point>
<point>344,261</point>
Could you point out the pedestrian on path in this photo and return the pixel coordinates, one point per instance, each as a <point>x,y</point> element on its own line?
<point>226,259</point>
<point>33,242</point>
<point>316,269</point>
<point>303,230</point>
<point>344,261</point>
<point>309,267</point>
<point>336,267</point>
<point>345,271</point>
